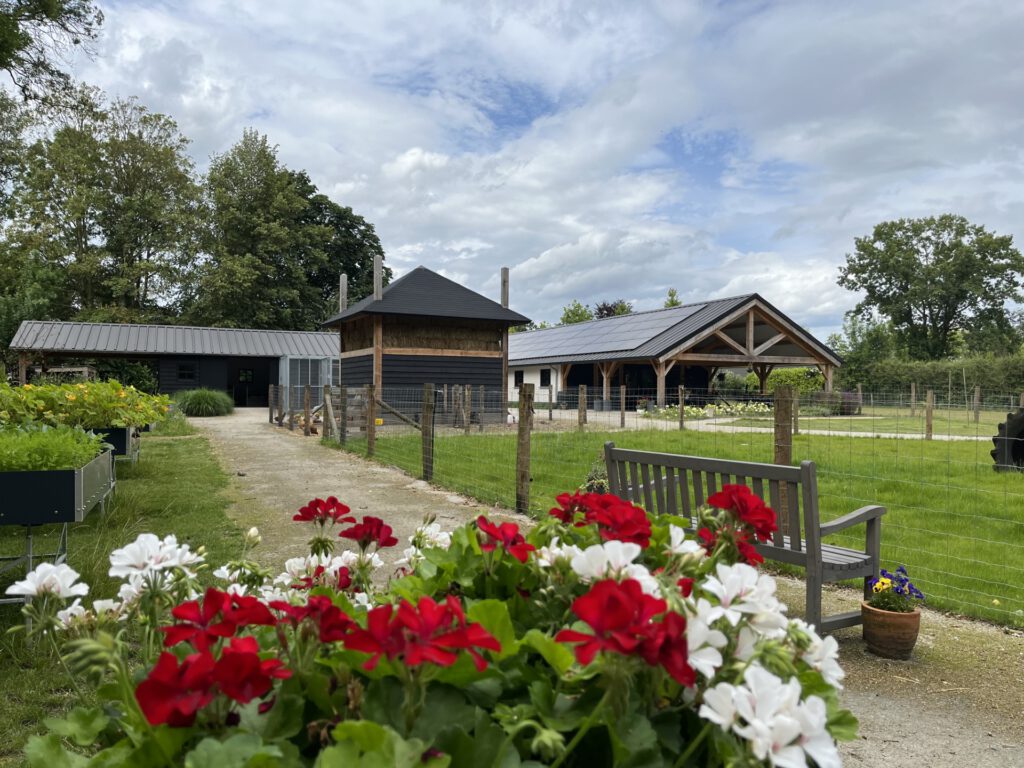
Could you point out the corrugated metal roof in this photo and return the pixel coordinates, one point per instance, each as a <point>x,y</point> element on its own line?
<point>125,339</point>
<point>424,292</point>
<point>641,335</point>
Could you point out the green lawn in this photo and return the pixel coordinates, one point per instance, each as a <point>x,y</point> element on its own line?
<point>956,524</point>
<point>175,488</point>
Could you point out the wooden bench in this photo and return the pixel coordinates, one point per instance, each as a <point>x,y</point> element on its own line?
<point>665,483</point>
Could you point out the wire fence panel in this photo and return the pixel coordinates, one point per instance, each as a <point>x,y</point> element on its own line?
<point>952,520</point>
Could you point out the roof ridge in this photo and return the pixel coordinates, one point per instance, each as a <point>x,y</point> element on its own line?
<point>182,327</point>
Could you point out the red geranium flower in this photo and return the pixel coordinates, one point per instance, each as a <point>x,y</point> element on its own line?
<point>748,507</point>
<point>685,585</point>
<point>382,637</point>
<point>506,534</point>
<point>172,694</point>
<point>339,581</point>
<point>618,613</point>
<point>624,522</point>
<point>665,646</point>
<point>748,553</point>
<point>201,626</point>
<point>242,675</point>
<point>372,530</point>
<point>573,508</point>
<point>321,510</point>
<point>332,622</point>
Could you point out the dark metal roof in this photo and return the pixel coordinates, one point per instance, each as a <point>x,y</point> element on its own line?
<point>125,339</point>
<point>426,293</point>
<point>637,336</point>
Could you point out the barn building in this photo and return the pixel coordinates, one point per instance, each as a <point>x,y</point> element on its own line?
<point>424,328</point>
<point>242,362</point>
<point>664,349</point>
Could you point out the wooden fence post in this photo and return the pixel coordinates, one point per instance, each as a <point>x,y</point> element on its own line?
<point>523,449</point>
<point>307,415</point>
<point>682,408</point>
<point>327,411</point>
<point>291,408</point>
<point>929,414</point>
<point>860,399</point>
<point>977,403</point>
<point>456,404</point>
<point>467,406</point>
<point>581,407</point>
<point>482,405</point>
<point>622,406</point>
<point>342,415</point>
<point>913,398</point>
<point>371,419</point>
<point>1021,401</point>
<point>796,411</point>
<point>551,403</point>
<point>427,430</point>
<point>270,402</point>
<point>783,447</point>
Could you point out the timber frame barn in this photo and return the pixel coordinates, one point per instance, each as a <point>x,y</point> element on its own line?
<point>663,349</point>
<point>424,328</point>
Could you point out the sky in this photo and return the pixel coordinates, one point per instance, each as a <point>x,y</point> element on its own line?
<point>606,150</point>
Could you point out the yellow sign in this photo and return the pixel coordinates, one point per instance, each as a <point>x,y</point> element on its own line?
<point>379,422</point>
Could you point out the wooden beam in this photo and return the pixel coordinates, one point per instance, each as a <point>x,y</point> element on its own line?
<point>750,332</point>
<point>356,353</point>
<point>504,343</point>
<point>342,292</point>
<point>770,343</point>
<point>23,368</point>
<point>564,375</point>
<point>378,352</point>
<point>659,369</point>
<point>378,277</point>
<point>427,351</point>
<point>742,360</point>
<point>730,341</point>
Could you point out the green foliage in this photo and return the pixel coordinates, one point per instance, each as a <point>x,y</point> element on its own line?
<point>92,405</point>
<point>531,326</point>
<point>204,402</point>
<point>37,448</point>
<point>935,277</point>
<point>993,374</point>
<point>131,373</point>
<point>612,308</point>
<point>806,380</point>
<point>863,342</point>
<point>672,300</point>
<point>575,312</point>
<point>175,425</point>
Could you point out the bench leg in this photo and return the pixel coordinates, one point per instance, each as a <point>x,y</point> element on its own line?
<point>813,612</point>
<point>873,546</point>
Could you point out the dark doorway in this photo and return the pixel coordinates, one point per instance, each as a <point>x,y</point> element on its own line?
<point>249,381</point>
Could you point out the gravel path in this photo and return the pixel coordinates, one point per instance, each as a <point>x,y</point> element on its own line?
<point>958,702</point>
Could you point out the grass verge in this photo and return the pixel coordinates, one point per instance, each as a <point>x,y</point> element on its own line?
<point>175,488</point>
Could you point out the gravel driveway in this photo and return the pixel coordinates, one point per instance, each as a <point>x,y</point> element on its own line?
<point>958,702</point>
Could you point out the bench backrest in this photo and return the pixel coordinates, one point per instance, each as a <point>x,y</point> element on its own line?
<point>667,483</point>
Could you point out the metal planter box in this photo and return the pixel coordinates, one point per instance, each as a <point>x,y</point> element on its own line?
<point>126,441</point>
<point>40,497</point>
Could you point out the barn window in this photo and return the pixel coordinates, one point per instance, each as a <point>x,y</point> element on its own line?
<point>545,377</point>
<point>245,375</point>
<point>186,371</point>
<point>518,378</point>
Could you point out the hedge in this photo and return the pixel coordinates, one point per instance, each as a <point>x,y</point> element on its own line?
<point>1000,375</point>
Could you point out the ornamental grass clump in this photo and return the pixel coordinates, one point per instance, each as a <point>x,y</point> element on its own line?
<point>895,592</point>
<point>602,636</point>
<point>204,402</point>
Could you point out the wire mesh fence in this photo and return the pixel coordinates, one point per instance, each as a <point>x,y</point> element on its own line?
<point>952,520</point>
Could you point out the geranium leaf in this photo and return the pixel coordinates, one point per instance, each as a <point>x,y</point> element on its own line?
<point>842,725</point>
<point>493,616</point>
<point>234,752</point>
<point>445,707</point>
<point>364,744</point>
<point>285,718</point>
<point>47,752</point>
<point>81,725</point>
<point>558,656</point>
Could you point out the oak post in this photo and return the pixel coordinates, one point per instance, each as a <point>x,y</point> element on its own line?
<point>783,447</point>
<point>371,419</point>
<point>682,407</point>
<point>307,416</point>
<point>523,449</point>
<point>913,398</point>
<point>467,406</point>
<point>427,430</point>
<point>270,402</point>
<point>929,414</point>
<point>481,405</point>
<point>622,406</point>
<point>342,415</point>
<point>581,407</point>
<point>977,403</point>
<point>551,403</point>
<point>328,411</point>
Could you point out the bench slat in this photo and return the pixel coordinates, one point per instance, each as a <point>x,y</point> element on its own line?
<point>793,500</point>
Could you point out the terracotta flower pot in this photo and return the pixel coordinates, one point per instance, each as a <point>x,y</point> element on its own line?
<point>890,634</point>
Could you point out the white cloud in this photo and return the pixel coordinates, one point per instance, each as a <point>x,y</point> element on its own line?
<point>607,149</point>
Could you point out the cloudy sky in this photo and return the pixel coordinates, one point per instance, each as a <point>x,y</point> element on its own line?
<point>607,149</point>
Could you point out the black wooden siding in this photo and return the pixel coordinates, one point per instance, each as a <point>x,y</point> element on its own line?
<point>220,373</point>
<point>416,370</point>
<point>357,371</point>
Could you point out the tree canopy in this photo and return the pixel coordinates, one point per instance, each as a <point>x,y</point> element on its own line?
<point>937,280</point>
<point>612,308</point>
<point>575,312</point>
<point>35,35</point>
<point>672,300</point>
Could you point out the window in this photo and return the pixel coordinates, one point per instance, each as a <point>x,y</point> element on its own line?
<point>517,377</point>
<point>545,377</point>
<point>245,375</point>
<point>186,371</point>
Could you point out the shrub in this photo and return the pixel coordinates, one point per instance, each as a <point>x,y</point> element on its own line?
<point>835,403</point>
<point>204,402</point>
<point>805,380</point>
<point>38,448</point>
<point>90,405</point>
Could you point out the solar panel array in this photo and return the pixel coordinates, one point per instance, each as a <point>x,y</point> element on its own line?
<point>613,334</point>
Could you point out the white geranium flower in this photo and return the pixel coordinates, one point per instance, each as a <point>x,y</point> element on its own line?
<point>822,655</point>
<point>607,560</point>
<point>430,536</point>
<point>703,643</point>
<point>550,555</point>
<point>149,553</point>
<point>814,738</point>
<point>74,611</point>
<point>51,579</point>
<point>680,545</point>
<point>768,706</point>
<point>410,557</point>
<point>224,574</point>
<point>106,607</point>
<point>362,601</point>
<point>740,590</point>
<point>640,574</point>
<point>270,592</point>
<point>719,705</point>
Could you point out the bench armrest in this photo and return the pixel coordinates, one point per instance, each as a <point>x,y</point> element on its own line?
<point>862,515</point>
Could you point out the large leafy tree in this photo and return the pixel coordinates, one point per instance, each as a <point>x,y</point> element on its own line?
<point>275,245</point>
<point>36,35</point>
<point>612,308</point>
<point>575,312</point>
<point>672,300</point>
<point>934,279</point>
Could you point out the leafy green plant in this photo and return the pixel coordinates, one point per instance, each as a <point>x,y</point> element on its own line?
<point>38,448</point>
<point>895,592</point>
<point>175,425</point>
<point>204,402</point>
<point>91,405</point>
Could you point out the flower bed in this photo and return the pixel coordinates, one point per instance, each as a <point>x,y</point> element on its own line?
<point>92,405</point>
<point>671,413</point>
<point>601,637</point>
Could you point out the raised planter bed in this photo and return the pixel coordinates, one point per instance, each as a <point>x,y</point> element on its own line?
<point>125,441</point>
<point>41,497</point>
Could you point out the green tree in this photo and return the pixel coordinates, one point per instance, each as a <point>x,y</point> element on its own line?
<point>933,278</point>
<point>35,35</point>
<point>864,342</point>
<point>672,300</point>
<point>613,308</point>
<point>531,326</point>
<point>575,312</point>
